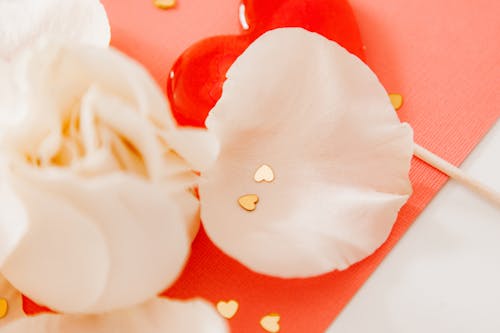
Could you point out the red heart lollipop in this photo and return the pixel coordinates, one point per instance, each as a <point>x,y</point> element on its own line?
<point>196,79</point>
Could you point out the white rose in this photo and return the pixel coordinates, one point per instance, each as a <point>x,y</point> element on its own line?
<point>96,206</point>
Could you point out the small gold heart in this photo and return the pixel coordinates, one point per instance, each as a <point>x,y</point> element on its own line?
<point>164,4</point>
<point>264,174</point>
<point>4,307</point>
<point>227,309</point>
<point>396,100</point>
<point>248,202</point>
<point>271,322</point>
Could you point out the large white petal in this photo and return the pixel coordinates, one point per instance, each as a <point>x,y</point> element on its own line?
<point>14,302</point>
<point>23,22</point>
<point>197,146</point>
<point>63,259</point>
<point>6,91</point>
<point>11,232</point>
<point>320,118</point>
<point>156,316</point>
<point>95,244</point>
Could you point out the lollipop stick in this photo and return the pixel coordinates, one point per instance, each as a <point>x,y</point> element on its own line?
<point>457,174</point>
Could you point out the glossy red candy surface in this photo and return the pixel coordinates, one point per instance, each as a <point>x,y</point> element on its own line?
<point>196,79</point>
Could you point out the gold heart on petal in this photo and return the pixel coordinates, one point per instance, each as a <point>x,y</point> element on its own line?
<point>271,323</point>
<point>248,202</point>
<point>164,4</point>
<point>396,100</point>
<point>227,309</point>
<point>4,307</point>
<point>264,174</point>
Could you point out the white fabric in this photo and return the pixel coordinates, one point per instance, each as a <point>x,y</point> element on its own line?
<point>443,274</point>
<point>321,119</point>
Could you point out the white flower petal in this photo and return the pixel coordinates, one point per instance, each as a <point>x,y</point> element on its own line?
<point>105,199</point>
<point>120,236</point>
<point>14,302</point>
<point>197,146</point>
<point>11,232</point>
<point>63,259</point>
<point>320,118</point>
<point>156,316</point>
<point>7,95</point>
<point>23,22</point>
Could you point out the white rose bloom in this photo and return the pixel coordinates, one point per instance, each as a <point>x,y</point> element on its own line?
<point>96,205</point>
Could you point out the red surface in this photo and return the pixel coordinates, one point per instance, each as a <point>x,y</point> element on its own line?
<point>429,51</point>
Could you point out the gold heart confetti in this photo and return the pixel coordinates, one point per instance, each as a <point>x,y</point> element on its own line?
<point>396,100</point>
<point>264,174</point>
<point>248,202</point>
<point>4,307</point>
<point>271,322</point>
<point>164,4</point>
<point>227,309</point>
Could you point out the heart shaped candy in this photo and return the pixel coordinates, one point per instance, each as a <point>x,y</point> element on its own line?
<point>4,307</point>
<point>195,82</point>
<point>264,174</point>
<point>271,323</point>
<point>227,309</point>
<point>248,202</point>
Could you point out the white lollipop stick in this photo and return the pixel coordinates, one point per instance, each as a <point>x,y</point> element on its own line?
<point>457,174</point>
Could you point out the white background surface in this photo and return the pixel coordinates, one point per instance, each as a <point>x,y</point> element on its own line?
<point>444,275</point>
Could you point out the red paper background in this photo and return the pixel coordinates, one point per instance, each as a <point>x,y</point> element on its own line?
<point>440,55</point>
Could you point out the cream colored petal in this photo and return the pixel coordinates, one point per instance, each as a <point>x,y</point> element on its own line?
<point>63,260</point>
<point>23,22</point>
<point>14,302</point>
<point>11,231</point>
<point>6,91</point>
<point>102,85</point>
<point>96,244</point>
<point>322,121</point>
<point>138,131</point>
<point>156,316</point>
<point>199,147</point>
<point>8,96</point>
<point>53,81</point>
